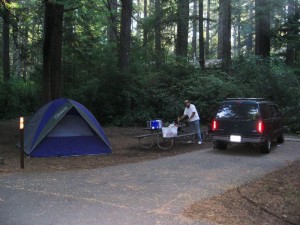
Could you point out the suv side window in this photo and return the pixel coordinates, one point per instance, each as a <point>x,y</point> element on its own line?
<point>264,111</point>
<point>273,110</point>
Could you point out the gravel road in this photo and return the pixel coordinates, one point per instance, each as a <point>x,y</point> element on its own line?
<point>152,192</point>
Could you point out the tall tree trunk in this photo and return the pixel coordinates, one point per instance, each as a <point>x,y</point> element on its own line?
<point>182,27</point>
<point>262,28</point>
<point>194,38</point>
<point>201,37</point>
<point>24,53</point>
<point>112,27</point>
<point>207,30</point>
<point>291,33</point>
<point>125,35</point>
<point>249,38</point>
<point>52,51</point>
<point>297,45</point>
<point>138,18</point>
<point>68,65</point>
<point>158,50</point>
<point>17,63</point>
<point>145,31</point>
<point>235,34</point>
<point>224,34</point>
<point>6,61</point>
<point>238,29</point>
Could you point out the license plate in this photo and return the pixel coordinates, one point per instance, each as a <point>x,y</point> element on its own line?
<point>235,138</point>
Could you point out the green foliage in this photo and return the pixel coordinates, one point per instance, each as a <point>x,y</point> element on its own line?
<point>270,79</point>
<point>17,98</point>
<point>91,75</point>
<point>145,93</point>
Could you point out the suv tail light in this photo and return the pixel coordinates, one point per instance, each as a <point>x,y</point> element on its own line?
<point>214,125</point>
<point>260,127</point>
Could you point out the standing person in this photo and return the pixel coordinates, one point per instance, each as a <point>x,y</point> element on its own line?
<point>190,111</point>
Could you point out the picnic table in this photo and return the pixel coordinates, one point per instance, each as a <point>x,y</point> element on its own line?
<point>156,138</point>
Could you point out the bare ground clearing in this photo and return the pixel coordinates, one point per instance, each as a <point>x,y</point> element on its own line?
<point>274,199</point>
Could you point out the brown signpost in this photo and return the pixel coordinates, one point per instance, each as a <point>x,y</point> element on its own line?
<point>22,142</point>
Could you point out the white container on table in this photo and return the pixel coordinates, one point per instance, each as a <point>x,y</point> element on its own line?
<point>169,131</point>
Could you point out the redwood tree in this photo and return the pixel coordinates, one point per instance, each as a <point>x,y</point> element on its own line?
<point>224,34</point>
<point>5,33</point>
<point>292,32</point>
<point>194,38</point>
<point>207,30</point>
<point>262,28</point>
<point>182,28</point>
<point>125,35</point>
<point>52,51</point>
<point>201,37</point>
<point>158,50</point>
<point>145,31</point>
<point>112,6</point>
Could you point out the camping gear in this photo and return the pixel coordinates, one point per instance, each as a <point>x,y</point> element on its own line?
<point>169,131</point>
<point>64,127</point>
<point>156,124</point>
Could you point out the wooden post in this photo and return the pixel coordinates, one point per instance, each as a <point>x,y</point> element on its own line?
<point>22,142</point>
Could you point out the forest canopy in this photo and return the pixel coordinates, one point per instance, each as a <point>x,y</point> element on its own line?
<point>129,61</point>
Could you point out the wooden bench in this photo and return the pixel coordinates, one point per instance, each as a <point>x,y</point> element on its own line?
<point>157,136</point>
<point>187,135</point>
<point>179,136</point>
<point>142,136</point>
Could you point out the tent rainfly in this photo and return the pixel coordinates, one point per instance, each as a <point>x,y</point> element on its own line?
<point>64,127</point>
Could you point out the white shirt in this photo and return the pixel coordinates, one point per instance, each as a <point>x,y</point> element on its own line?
<point>189,111</point>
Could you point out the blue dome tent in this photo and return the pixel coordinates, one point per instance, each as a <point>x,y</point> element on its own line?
<point>64,127</point>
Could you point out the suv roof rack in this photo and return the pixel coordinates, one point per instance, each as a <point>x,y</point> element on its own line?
<point>254,99</point>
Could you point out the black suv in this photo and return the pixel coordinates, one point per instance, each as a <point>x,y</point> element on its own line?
<point>247,120</point>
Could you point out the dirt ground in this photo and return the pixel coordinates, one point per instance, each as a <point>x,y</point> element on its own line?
<point>275,199</point>
<point>125,150</point>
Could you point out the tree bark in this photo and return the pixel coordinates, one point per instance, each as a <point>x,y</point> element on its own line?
<point>52,51</point>
<point>145,31</point>
<point>224,34</point>
<point>112,27</point>
<point>5,30</point>
<point>207,31</point>
<point>297,45</point>
<point>201,37</point>
<point>249,38</point>
<point>182,27</point>
<point>157,29</point>
<point>262,28</point>
<point>194,38</point>
<point>291,33</point>
<point>125,35</point>
<point>237,33</point>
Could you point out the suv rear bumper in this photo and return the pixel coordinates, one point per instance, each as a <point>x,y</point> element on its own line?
<point>244,139</point>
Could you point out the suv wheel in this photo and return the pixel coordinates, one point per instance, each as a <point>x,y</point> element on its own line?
<point>266,146</point>
<point>220,145</point>
<point>280,139</point>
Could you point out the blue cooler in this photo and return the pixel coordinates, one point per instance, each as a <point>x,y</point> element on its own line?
<point>156,124</point>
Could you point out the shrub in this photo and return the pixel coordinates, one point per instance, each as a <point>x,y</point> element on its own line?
<point>17,98</point>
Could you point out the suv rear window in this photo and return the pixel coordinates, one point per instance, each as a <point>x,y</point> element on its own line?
<point>238,110</point>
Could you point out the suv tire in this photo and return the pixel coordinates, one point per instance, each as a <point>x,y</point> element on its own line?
<point>266,146</point>
<point>220,145</point>
<point>280,139</point>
